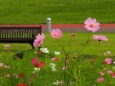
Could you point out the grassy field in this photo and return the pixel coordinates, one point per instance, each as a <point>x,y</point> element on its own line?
<point>77,43</point>
<point>61,11</point>
<point>83,69</point>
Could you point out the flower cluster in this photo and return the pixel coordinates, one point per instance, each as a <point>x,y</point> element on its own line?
<point>106,71</point>
<point>39,40</point>
<point>2,65</point>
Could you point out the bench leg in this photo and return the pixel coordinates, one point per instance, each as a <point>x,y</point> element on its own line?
<point>32,45</point>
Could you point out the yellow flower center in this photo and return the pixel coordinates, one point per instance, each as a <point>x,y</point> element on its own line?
<point>56,35</point>
<point>91,25</point>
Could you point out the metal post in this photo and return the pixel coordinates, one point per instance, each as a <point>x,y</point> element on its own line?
<point>48,24</point>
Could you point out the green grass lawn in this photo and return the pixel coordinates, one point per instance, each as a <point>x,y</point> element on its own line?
<point>77,43</point>
<point>61,11</point>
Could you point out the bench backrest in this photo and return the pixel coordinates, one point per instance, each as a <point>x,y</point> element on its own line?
<point>19,31</point>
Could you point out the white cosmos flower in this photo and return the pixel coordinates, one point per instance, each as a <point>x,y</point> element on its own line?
<point>37,69</point>
<point>52,65</point>
<point>6,46</point>
<point>57,53</point>
<point>113,62</point>
<point>1,64</point>
<point>56,83</point>
<point>53,69</point>
<point>45,50</point>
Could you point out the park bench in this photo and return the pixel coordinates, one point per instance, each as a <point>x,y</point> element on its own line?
<point>19,33</point>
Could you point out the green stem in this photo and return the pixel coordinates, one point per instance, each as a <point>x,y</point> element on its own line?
<point>69,45</point>
<point>66,54</point>
<point>61,47</point>
<point>98,47</point>
<point>84,45</point>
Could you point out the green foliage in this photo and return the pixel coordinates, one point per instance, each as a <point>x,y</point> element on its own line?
<point>80,72</point>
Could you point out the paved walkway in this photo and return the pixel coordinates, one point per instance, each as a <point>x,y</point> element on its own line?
<point>80,27</point>
<point>70,27</point>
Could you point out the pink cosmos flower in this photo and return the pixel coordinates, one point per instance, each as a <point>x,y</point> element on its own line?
<point>67,61</point>
<point>108,52</point>
<point>39,40</point>
<point>64,68</point>
<point>16,75</point>
<point>100,38</point>
<point>8,75</point>
<point>92,24</point>
<point>108,61</point>
<point>100,79</point>
<point>5,66</point>
<point>110,72</point>
<point>91,60</point>
<point>56,33</point>
<point>55,59</point>
<point>101,73</point>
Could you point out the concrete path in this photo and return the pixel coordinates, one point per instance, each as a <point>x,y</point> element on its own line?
<point>80,27</point>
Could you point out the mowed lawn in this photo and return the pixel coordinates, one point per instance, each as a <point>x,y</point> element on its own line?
<point>77,43</point>
<point>61,11</point>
